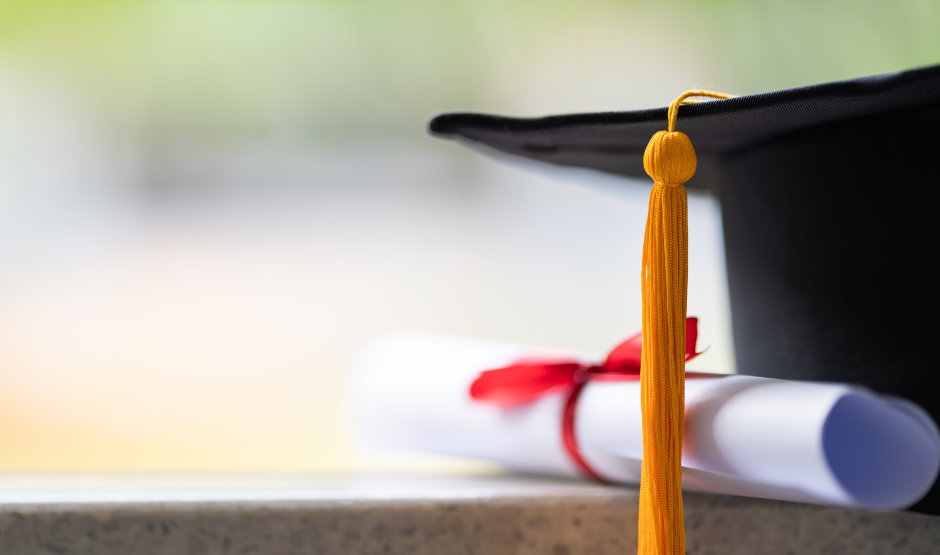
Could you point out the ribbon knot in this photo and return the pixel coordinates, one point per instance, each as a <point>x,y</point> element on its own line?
<point>527,380</point>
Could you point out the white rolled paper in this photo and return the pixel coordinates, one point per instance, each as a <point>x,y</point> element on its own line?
<point>798,441</point>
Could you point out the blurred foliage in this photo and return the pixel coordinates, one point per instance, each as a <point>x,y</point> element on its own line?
<point>197,70</point>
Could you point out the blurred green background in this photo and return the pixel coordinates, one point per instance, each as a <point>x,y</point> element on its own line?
<point>311,70</point>
<point>208,207</point>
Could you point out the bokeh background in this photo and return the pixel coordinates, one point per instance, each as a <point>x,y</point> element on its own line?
<point>207,207</point>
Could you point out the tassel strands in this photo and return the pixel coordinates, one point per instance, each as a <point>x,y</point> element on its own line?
<point>662,368</point>
<point>670,160</point>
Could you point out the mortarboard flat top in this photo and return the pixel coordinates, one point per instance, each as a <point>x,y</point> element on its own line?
<point>830,198</point>
<point>614,142</point>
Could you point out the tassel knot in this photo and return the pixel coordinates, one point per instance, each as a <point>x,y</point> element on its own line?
<point>670,158</point>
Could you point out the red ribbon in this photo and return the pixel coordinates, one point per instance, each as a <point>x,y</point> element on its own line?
<point>530,379</point>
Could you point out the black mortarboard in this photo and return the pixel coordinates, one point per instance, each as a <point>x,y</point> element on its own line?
<point>829,197</point>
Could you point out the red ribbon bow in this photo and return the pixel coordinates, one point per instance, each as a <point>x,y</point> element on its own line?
<point>531,379</point>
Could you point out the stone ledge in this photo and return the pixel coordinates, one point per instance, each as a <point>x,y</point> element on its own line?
<point>364,515</point>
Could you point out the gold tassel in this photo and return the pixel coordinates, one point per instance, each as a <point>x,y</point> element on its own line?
<point>670,160</point>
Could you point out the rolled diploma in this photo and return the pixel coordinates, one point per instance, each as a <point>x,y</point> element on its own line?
<point>759,437</point>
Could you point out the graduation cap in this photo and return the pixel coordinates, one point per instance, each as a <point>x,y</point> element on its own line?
<point>830,198</point>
